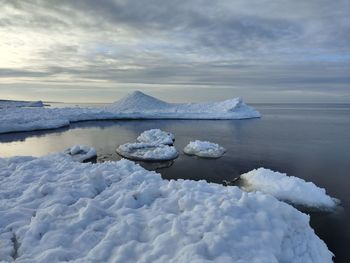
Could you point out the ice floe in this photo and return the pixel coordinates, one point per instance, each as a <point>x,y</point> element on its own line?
<point>288,188</point>
<point>81,153</point>
<point>156,136</point>
<point>20,103</point>
<point>147,151</point>
<point>54,209</point>
<point>204,149</point>
<point>135,106</point>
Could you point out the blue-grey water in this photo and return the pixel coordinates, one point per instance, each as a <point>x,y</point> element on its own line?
<point>310,141</point>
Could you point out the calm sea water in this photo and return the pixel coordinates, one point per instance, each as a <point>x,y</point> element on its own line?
<point>310,141</point>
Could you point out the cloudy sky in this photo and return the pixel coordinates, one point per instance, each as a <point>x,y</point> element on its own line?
<point>97,51</point>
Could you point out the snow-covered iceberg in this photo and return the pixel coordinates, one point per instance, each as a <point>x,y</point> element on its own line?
<point>81,153</point>
<point>54,209</point>
<point>20,103</point>
<point>156,136</point>
<point>204,149</point>
<point>288,188</point>
<point>135,106</point>
<point>141,151</point>
<point>140,105</point>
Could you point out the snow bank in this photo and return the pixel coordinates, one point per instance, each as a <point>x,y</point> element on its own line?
<point>54,209</point>
<point>204,149</point>
<point>147,151</point>
<point>135,106</point>
<point>287,188</point>
<point>19,103</point>
<point>156,136</point>
<point>81,153</point>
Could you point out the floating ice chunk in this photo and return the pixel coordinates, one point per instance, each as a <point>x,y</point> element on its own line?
<point>147,151</point>
<point>204,149</point>
<point>60,210</point>
<point>287,188</point>
<point>156,136</point>
<point>81,153</point>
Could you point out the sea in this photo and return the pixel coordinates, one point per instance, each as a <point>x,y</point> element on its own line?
<point>309,141</point>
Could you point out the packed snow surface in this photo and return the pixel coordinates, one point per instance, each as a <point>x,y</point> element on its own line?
<point>54,209</point>
<point>19,103</point>
<point>204,149</point>
<point>156,136</point>
<point>288,188</point>
<point>147,151</point>
<point>81,153</point>
<point>135,106</point>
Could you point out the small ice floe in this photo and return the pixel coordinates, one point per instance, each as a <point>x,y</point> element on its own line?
<point>81,153</point>
<point>204,149</point>
<point>288,188</point>
<point>147,151</point>
<point>156,136</point>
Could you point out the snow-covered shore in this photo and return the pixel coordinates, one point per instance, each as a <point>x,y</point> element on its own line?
<point>135,106</point>
<point>54,209</point>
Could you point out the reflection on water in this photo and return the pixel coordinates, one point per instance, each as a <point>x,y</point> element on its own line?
<point>308,141</point>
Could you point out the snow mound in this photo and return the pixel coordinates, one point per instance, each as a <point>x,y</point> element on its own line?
<point>156,136</point>
<point>288,188</point>
<point>20,103</point>
<point>138,101</point>
<point>147,151</point>
<point>204,149</point>
<point>54,209</point>
<point>81,153</point>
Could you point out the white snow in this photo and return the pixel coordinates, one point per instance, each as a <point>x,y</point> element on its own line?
<point>20,103</point>
<point>140,105</point>
<point>288,188</point>
<point>156,136</point>
<point>81,153</point>
<point>135,106</point>
<point>55,209</point>
<point>147,151</point>
<point>204,149</point>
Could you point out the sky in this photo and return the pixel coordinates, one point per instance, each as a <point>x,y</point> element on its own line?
<point>188,50</point>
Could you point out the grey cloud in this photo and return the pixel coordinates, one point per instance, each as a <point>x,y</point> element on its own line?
<point>198,42</point>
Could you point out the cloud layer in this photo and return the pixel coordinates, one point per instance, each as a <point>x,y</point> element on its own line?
<point>292,46</point>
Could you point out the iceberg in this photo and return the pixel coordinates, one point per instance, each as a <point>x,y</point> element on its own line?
<point>54,209</point>
<point>141,151</point>
<point>288,188</point>
<point>204,149</point>
<point>140,105</point>
<point>156,136</point>
<point>81,153</point>
<point>135,106</point>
